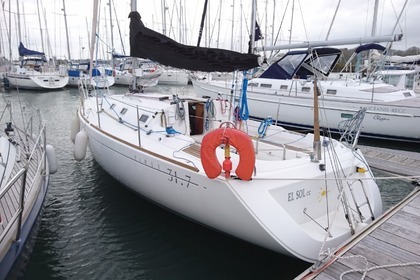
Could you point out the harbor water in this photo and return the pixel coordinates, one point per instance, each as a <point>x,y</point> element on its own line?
<point>94,228</point>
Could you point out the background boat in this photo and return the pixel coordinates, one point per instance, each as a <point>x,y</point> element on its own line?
<point>34,72</point>
<point>284,92</point>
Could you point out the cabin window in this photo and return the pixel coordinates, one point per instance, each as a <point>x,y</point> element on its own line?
<point>123,111</point>
<point>284,87</point>
<point>253,84</point>
<point>409,81</point>
<point>331,91</point>
<point>407,94</point>
<point>143,118</point>
<point>306,89</point>
<point>346,116</point>
<point>266,85</point>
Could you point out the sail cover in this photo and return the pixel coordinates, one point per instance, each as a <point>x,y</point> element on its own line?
<point>146,43</point>
<point>24,51</point>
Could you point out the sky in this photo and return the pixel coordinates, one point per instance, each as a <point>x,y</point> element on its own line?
<point>294,22</point>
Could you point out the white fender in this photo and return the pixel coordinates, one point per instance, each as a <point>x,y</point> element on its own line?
<point>52,159</point>
<point>80,145</point>
<point>75,127</point>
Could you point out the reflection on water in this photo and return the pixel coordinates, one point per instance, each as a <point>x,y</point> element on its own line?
<point>94,228</point>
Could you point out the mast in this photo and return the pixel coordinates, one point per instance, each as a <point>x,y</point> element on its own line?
<point>218,23</point>
<point>375,18</point>
<point>93,36</point>
<point>274,19</point>
<point>291,22</point>
<point>88,35</point>
<point>317,136</point>
<point>18,20</point>
<point>112,33</point>
<point>67,30</point>
<point>40,26</point>
<point>203,17</point>
<point>163,17</point>
<point>332,22</point>
<point>119,32</point>
<point>253,24</point>
<point>9,34</point>
<point>134,61</point>
<point>233,23</point>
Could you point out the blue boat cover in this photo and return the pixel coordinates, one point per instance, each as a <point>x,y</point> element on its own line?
<point>74,73</point>
<point>290,65</point>
<point>366,47</point>
<point>117,55</point>
<point>25,52</point>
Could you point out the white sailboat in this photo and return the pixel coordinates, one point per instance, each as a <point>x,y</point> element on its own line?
<point>146,73</point>
<point>26,163</point>
<point>291,193</point>
<point>283,91</point>
<point>36,73</point>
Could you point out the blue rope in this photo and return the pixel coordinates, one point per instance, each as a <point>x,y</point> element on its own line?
<point>244,112</point>
<point>262,129</point>
<point>210,113</point>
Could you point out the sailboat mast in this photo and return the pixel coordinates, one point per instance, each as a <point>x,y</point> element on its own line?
<point>332,22</point>
<point>200,33</point>
<point>111,25</point>
<point>253,25</point>
<point>233,24</point>
<point>40,26</point>
<point>291,22</point>
<point>112,33</point>
<point>134,61</point>
<point>18,21</point>
<point>67,30</point>
<point>93,35</point>
<point>317,134</point>
<point>87,30</point>
<point>375,18</point>
<point>9,34</point>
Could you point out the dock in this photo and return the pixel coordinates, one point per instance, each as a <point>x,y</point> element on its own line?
<point>389,248</point>
<point>404,163</point>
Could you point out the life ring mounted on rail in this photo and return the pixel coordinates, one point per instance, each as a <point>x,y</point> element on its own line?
<point>230,137</point>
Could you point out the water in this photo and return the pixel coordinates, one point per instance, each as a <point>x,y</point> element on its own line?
<point>94,228</point>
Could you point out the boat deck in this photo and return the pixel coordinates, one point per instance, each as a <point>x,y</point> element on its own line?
<point>388,249</point>
<point>10,200</point>
<point>411,102</point>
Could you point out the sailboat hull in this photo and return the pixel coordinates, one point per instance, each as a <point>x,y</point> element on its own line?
<point>270,211</point>
<point>37,82</point>
<point>386,118</point>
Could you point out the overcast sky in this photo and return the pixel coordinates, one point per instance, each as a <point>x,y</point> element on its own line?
<point>311,22</point>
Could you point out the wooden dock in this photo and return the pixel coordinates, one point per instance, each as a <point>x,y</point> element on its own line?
<point>399,162</point>
<point>388,249</point>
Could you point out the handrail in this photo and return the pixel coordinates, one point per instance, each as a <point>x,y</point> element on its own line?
<point>19,212</point>
<point>11,182</point>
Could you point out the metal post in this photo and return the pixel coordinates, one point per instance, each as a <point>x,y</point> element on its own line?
<point>22,203</point>
<point>138,125</point>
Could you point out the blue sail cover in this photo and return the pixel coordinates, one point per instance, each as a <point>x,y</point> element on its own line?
<point>146,43</point>
<point>117,55</point>
<point>25,52</point>
<point>366,47</point>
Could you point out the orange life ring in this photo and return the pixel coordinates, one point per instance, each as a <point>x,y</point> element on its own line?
<point>234,137</point>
